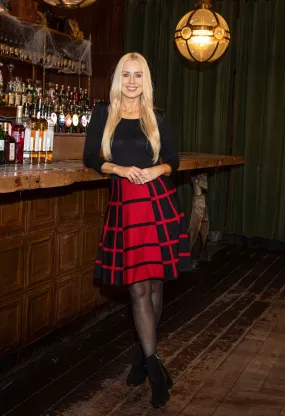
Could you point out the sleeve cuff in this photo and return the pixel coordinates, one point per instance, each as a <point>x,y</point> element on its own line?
<point>174,164</point>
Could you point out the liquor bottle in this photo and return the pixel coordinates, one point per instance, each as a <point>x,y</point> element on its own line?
<point>39,107</point>
<point>11,47</point>
<point>9,146</point>
<point>75,95</point>
<point>18,94</point>
<point>50,136</point>
<point>24,94</point>
<point>62,95</point>
<point>54,118</point>
<point>2,146</point>
<point>35,137</point>
<point>56,91</point>
<point>2,93</point>
<point>34,93</point>
<point>43,125</point>
<point>29,92</point>
<point>68,94</point>
<point>75,120</point>
<point>82,121</point>
<point>88,115</point>
<point>28,127</point>
<point>80,96</point>
<point>11,96</point>
<point>86,98</point>
<point>18,132</point>
<point>7,93</point>
<point>68,120</point>
<point>61,120</point>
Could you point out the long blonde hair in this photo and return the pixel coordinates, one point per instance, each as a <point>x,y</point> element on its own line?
<point>148,120</point>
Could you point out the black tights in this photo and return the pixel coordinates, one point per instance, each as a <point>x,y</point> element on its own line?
<point>147,299</point>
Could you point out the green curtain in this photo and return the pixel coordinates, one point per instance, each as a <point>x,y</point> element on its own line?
<point>257,199</point>
<point>233,106</point>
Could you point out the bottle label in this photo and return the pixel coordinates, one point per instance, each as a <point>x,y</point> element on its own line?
<point>30,97</point>
<point>18,99</point>
<point>33,140</point>
<point>61,119</point>
<point>17,136</point>
<point>75,120</point>
<point>2,145</point>
<point>68,120</point>
<point>53,118</point>
<point>38,141</point>
<point>84,121</point>
<point>12,152</point>
<point>38,115</point>
<point>43,135</point>
<point>47,148</point>
<point>27,141</point>
<point>50,136</point>
<point>11,99</point>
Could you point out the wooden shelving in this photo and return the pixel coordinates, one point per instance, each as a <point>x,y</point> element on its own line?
<point>6,111</point>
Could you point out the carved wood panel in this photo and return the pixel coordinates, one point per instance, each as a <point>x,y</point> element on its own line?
<point>38,305</point>
<point>68,248</point>
<point>41,212</point>
<point>11,215</point>
<point>11,324</point>
<point>39,257</point>
<point>11,266</point>
<point>91,238</point>
<point>70,206</point>
<point>89,294</point>
<point>95,201</point>
<point>46,271</point>
<point>66,299</point>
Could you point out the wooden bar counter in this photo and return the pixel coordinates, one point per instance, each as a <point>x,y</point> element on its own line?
<point>50,224</point>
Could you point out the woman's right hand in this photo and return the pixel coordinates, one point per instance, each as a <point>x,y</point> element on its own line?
<point>132,173</point>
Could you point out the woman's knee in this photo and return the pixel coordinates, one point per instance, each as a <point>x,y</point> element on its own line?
<point>140,290</point>
<point>156,286</point>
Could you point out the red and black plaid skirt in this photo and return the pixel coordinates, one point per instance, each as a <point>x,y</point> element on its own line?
<point>144,235</point>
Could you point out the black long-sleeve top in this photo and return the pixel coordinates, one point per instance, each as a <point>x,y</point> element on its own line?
<point>130,146</point>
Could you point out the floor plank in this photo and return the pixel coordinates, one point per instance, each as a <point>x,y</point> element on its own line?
<point>222,337</point>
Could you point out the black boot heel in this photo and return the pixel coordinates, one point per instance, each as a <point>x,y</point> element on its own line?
<point>158,382</point>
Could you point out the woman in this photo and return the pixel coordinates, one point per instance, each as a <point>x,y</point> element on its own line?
<point>144,240</point>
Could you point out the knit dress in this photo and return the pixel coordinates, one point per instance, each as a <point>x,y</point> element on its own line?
<point>145,234</point>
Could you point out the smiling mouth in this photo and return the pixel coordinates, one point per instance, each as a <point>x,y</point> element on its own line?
<point>132,88</point>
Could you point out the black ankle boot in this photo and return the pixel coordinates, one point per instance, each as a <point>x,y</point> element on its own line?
<point>137,375</point>
<point>169,381</point>
<point>157,380</point>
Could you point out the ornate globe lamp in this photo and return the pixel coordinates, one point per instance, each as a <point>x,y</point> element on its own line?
<point>202,35</point>
<point>70,4</point>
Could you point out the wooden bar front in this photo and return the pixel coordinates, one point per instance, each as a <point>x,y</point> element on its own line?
<point>50,225</point>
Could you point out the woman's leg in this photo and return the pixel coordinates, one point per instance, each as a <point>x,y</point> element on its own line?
<point>157,299</point>
<point>144,316</point>
<point>143,311</point>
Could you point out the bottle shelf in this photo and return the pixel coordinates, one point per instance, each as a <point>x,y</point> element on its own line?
<point>7,111</point>
<point>42,44</point>
<point>9,58</point>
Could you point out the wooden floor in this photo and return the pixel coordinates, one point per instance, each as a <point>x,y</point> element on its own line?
<point>222,337</point>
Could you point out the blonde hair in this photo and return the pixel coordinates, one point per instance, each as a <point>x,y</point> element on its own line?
<point>148,120</point>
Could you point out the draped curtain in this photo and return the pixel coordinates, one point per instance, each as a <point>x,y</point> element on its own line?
<point>233,106</point>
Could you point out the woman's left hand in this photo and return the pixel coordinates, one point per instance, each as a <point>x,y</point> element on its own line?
<point>152,173</point>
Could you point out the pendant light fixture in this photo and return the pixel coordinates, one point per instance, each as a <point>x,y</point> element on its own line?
<point>202,35</point>
<point>70,4</point>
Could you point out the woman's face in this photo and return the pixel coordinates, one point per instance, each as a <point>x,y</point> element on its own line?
<point>132,79</point>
